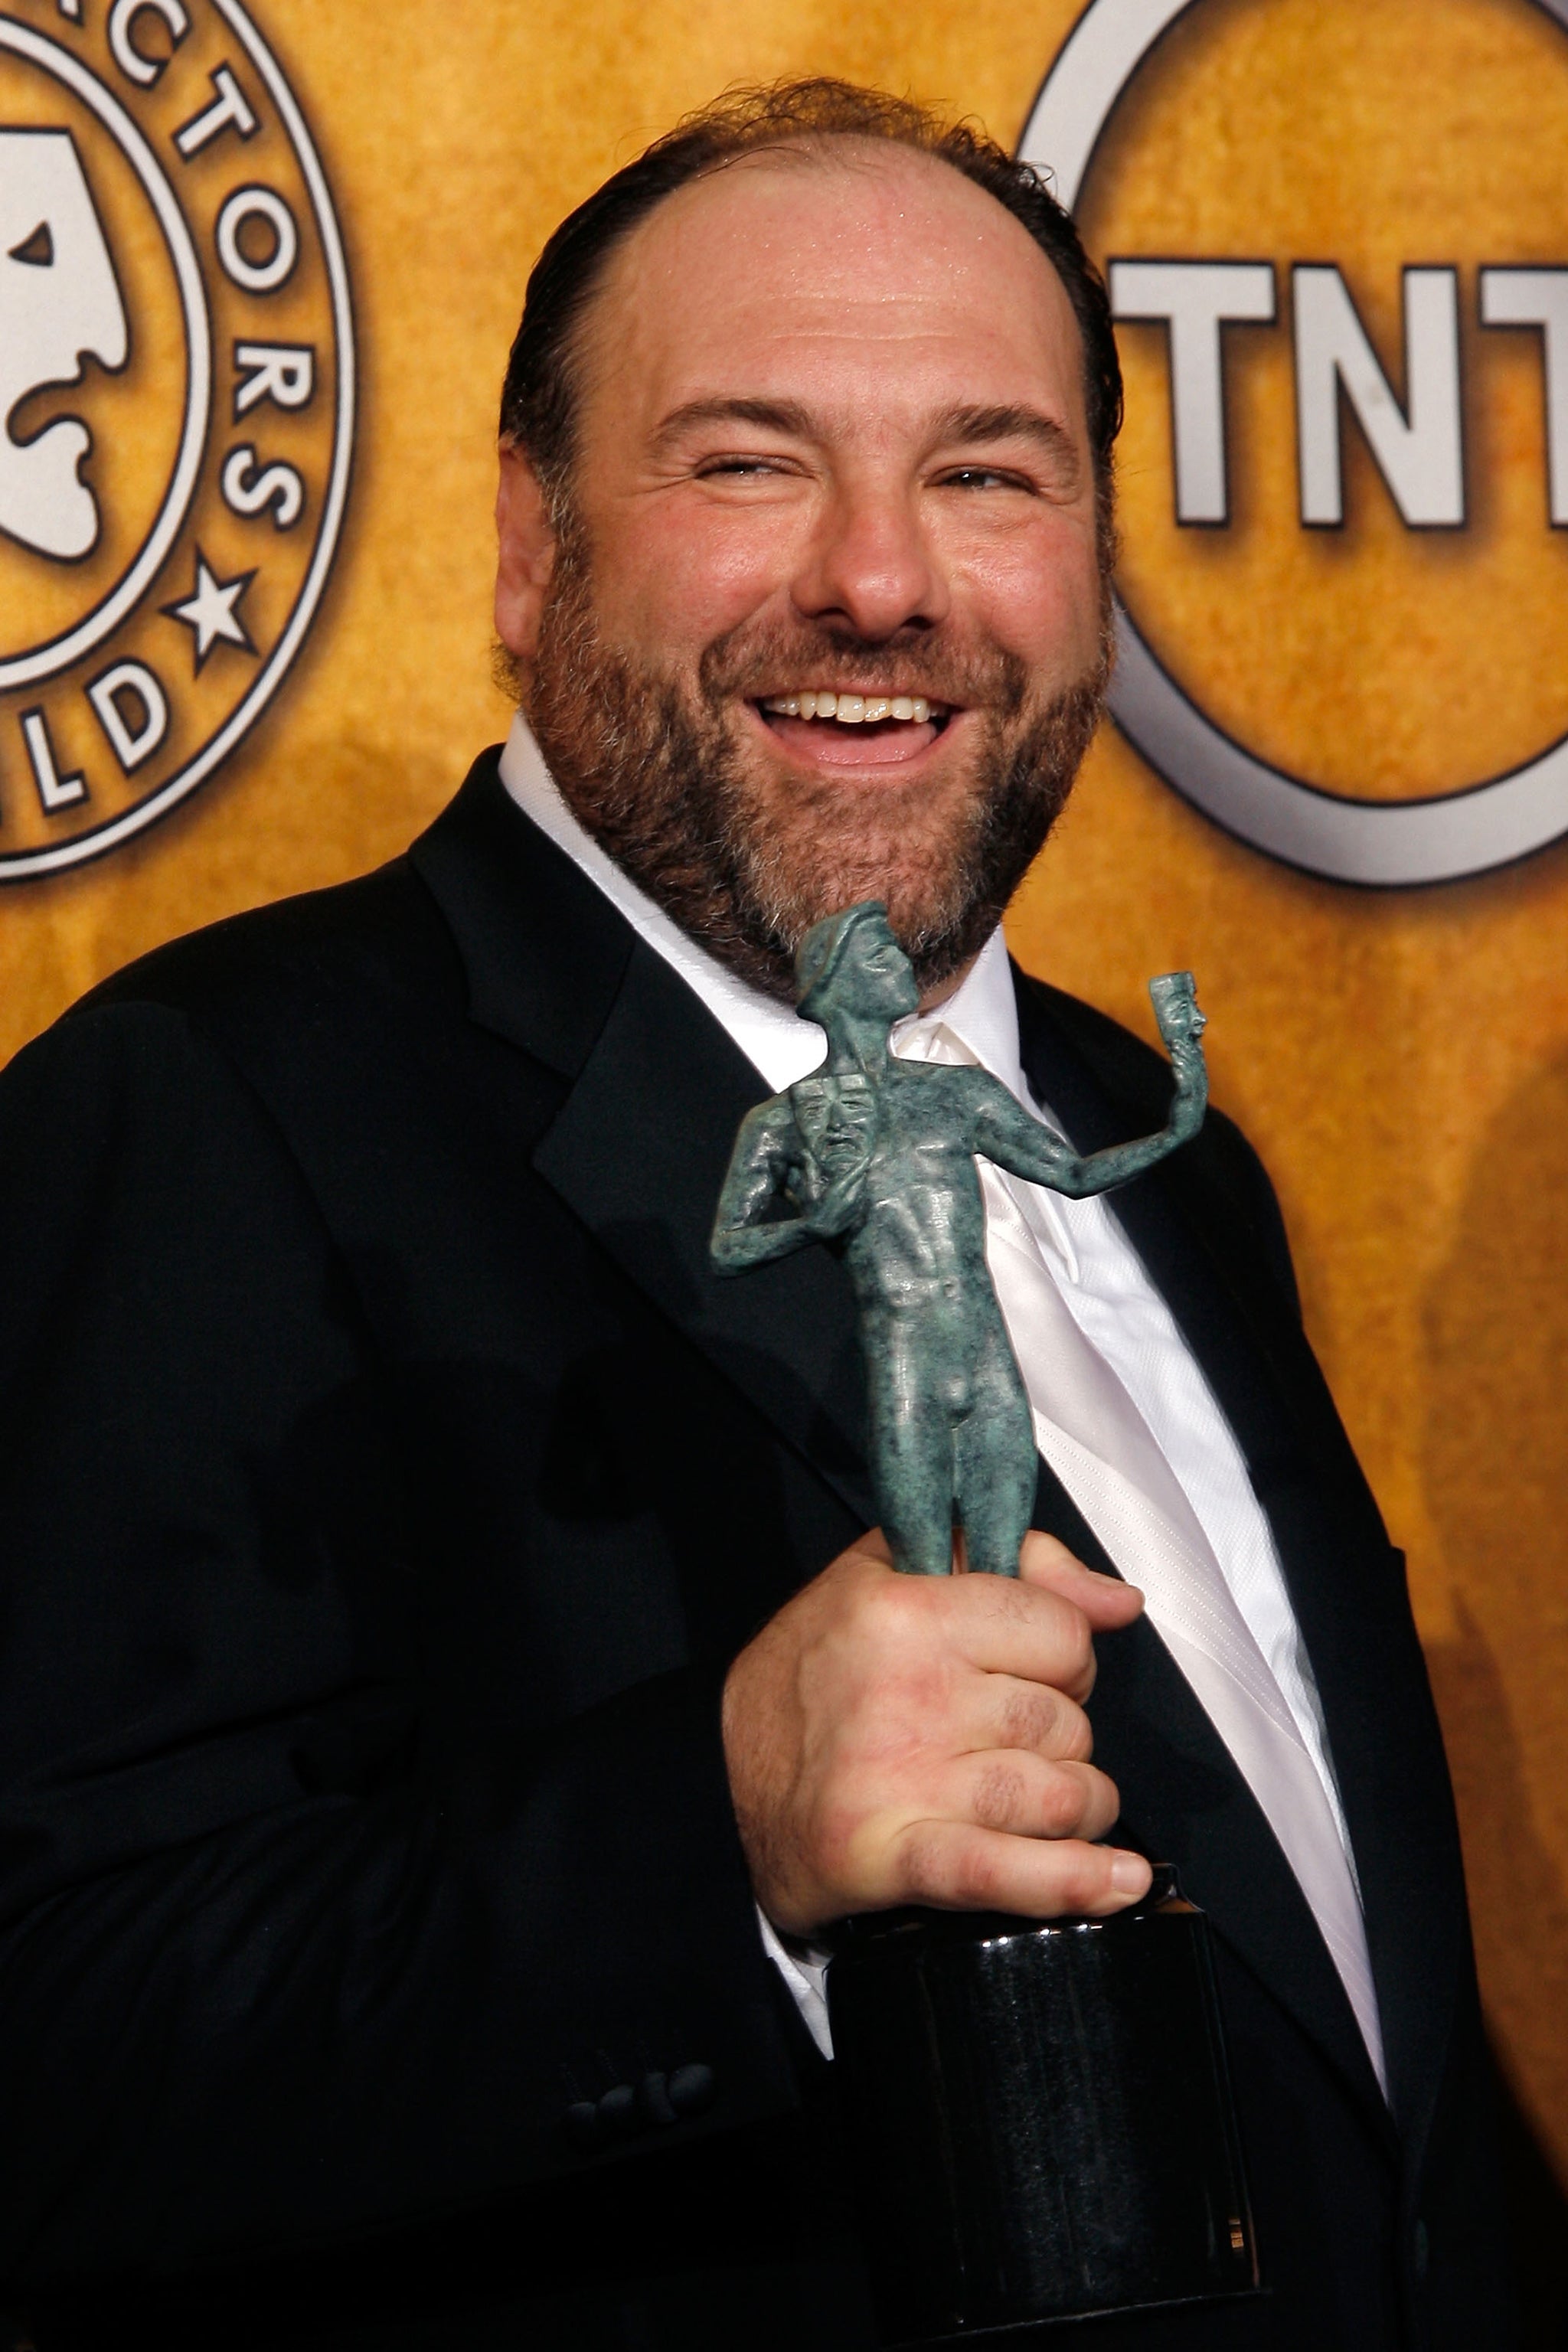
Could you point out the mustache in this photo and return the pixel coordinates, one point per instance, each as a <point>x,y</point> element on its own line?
<point>750,662</point>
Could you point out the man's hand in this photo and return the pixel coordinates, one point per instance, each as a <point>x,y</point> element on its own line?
<point>921,1739</point>
<point>836,1208</point>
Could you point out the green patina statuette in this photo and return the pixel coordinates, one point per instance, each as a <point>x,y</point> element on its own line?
<point>879,1154</point>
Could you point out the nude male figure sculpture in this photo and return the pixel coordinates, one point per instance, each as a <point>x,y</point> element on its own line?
<point>880,1152</point>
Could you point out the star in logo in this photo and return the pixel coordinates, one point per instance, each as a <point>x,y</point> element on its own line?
<point>209,610</point>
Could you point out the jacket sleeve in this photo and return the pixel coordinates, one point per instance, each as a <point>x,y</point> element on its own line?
<point>273,1966</point>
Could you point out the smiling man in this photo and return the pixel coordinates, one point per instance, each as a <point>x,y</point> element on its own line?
<point>805,577</point>
<point>451,1684</point>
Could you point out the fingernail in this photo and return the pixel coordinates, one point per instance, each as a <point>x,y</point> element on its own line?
<point>1130,1873</point>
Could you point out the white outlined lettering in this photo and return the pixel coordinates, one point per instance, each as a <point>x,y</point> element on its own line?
<point>134,63</point>
<point>1539,298</point>
<point>258,203</point>
<point>131,738</point>
<point>284,373</point>
<point>55,790</point>
<point>229,110</point>
<point>1419,449</point>
<point>247,492</point>
<point>1194,299</point>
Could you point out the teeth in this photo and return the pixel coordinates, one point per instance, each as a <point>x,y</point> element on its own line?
<point>850,710</point>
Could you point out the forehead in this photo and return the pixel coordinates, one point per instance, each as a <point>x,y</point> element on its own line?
<point>826,263</point>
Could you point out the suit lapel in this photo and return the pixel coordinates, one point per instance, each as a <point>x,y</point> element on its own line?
<point>1183,1800</point>
<point>640,1151</point>
<point>1345,1587</point>
<point>656,1091</point>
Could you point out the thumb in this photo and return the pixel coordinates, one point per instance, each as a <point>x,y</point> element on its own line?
<point>1106,1601</point>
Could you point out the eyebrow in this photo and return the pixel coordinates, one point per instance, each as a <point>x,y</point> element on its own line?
<point>769,415</point>
<point>1010,422</point>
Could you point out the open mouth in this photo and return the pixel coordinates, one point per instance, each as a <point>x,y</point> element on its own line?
<point>835,729</point>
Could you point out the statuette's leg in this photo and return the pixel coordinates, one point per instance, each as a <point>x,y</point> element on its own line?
<point>993,1448</point>
<point>912,1449</point>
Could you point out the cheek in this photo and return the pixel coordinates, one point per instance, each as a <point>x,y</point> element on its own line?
<point>1037,594</point>
<point>688,572</point>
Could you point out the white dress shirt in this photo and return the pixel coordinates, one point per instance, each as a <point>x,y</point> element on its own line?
<point>1088,1255</point>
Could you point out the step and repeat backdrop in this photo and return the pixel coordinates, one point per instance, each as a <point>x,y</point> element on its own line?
<point>259,269</point>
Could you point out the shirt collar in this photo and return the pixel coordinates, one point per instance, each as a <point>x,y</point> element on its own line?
<point>983,1012</point>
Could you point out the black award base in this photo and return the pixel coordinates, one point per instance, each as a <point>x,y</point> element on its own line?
<point>1039,2114</point>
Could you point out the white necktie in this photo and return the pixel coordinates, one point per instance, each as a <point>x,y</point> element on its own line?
<point>1092,1435</point>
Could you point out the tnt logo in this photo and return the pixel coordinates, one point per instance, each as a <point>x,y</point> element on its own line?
<point>1336,246</point>
<point>1417,443</point>
<point>176,408</point>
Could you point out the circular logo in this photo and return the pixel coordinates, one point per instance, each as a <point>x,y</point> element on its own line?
<point>1360,477</point>
<point>176,408</point>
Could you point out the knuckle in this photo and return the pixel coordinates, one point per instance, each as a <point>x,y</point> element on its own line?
<point>1030,1716</point>
<point>889,1615</point>
<point>874,1609</point>
<point>1008,1601</point>
<point>1084,1881</point>
<point>999,1798</point>
<point>1062,1803</point>
<point>976,1876</point>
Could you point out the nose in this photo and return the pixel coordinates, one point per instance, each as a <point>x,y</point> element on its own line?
<point>869,567</point>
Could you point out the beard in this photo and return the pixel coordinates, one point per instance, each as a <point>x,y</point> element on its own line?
<point>744,856</point>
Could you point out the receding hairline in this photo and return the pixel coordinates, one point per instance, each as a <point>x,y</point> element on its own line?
<point>848,151</point>
<point>811,120</point>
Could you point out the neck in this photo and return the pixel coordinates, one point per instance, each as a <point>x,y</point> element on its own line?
<point>858,1046</point>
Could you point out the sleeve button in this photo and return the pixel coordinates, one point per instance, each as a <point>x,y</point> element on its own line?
<point>691,2089</point>
<point>617,2108</point>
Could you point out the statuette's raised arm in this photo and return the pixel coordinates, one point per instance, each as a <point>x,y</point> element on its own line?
<point>1005,1134</point>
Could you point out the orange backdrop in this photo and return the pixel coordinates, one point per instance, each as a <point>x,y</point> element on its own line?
<point>1401,1059</point>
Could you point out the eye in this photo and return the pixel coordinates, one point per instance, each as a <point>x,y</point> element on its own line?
<point>983,478</point>
<point>739,469</point>
<point>36,250</point>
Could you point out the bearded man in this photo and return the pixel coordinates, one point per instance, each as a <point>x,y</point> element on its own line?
<point>449,1680</point>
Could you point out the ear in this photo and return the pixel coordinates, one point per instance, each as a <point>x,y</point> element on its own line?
<point>526,555</point>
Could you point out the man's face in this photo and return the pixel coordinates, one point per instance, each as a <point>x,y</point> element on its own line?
<point>882,981</point>
<point>831,443</point>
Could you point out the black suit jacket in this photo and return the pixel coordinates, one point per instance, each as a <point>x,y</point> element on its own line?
<point>387,1484</point>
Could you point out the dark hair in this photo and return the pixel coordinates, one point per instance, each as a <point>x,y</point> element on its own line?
<point>538,398</point>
